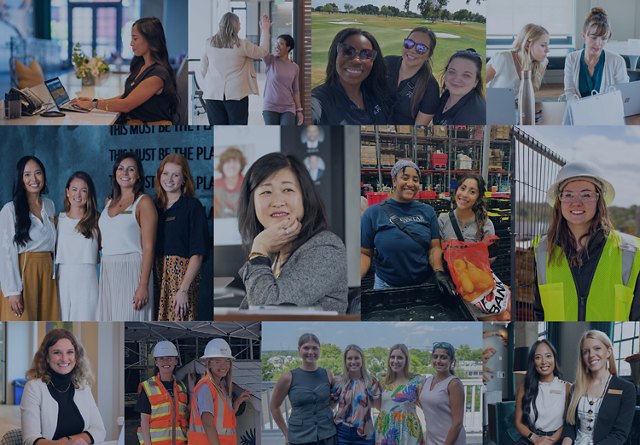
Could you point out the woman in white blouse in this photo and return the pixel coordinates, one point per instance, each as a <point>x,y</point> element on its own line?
<point>27,242</point>
<point>228,73</point>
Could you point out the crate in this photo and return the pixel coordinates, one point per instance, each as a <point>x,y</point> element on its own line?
<point>464,164</point>
<point>440,131</point>
<point>376,197</point>
<point>439,160</point>
<point>404,129</point>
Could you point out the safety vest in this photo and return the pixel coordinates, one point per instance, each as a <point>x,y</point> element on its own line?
<point>611,291</point>
<point>168,421</point>
<point>224,418</point>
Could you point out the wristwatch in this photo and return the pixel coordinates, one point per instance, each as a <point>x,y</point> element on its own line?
<point>94,103</point>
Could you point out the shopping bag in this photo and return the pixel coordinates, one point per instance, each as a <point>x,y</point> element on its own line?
<point>597,109</point>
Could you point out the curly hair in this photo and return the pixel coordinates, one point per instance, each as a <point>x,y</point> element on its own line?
<point>480,206</point>
<point>81,373</point>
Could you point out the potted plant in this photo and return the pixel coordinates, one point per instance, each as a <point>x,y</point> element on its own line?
<point>87,68</point>
<point>634,362</point>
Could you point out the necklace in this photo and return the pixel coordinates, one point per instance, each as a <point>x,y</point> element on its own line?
<point>60,391</point>
<point>596,401</point>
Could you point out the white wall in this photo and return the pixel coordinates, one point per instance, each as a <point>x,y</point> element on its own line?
<point>21,347</point>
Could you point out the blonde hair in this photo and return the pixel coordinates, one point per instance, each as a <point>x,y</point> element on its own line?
<point>390,377</point>
<point>366,377</point>
<point>227,378</point>
<point>227,35</point>
<point>583,375</point>
<point>529,34</point>
<point>597,17</point>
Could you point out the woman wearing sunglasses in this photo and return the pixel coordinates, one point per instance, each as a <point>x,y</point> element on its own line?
<point>411,80</point>
<point>354,89</point>
<point>585,270</point>
<point>462,101</point>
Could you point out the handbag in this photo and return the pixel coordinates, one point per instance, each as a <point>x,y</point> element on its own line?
<point>598,109</point>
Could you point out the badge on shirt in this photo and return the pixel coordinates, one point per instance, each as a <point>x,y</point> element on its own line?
<point>555,391</point>
<point>126,212</point>
<point>614,391</point>
<point>170,218</point>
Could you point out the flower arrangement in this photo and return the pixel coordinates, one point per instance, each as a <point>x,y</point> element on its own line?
<point>87,67</point>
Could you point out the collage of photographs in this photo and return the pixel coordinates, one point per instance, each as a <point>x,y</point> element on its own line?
<point>297,222</point>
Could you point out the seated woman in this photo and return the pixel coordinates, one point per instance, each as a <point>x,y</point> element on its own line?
<point>593,68</point>
<point>294,258</point>
<point>411,80</point>
<point>282,104</point>
<point>57,405</point>
<point>406,255</point>
<point>529,52</point>
<point>462,101</point>
<point>354,89</point>
<point>150,96</point>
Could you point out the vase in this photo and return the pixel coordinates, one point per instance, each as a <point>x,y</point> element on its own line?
<point>88,81</point>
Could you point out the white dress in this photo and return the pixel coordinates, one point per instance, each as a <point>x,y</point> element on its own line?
<point>121,267</point>
<point>550,404</point>
<point>76,257</point>
<point>584,435</point>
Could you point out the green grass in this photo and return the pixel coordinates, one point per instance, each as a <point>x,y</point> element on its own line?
<point>390,32</point>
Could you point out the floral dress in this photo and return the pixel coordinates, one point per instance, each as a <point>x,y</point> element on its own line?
<point>398,422</point>
<point>354,399</point>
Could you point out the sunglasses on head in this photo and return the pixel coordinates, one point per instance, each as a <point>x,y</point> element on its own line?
<point>421,48</point>
<point>350,52</point>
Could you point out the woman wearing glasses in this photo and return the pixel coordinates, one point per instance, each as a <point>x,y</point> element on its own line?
<point>593,67</point>
<point>585,270</point>
<point>354,89</point>
<point>602,404</point>
<point>411,80</point>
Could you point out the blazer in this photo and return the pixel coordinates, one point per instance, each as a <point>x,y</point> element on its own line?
<point>228,73</point>
<point>39,413</point>
<point>614,72</point>
<point>615,416</point>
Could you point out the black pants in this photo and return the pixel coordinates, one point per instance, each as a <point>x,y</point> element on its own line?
<point>228,112</point>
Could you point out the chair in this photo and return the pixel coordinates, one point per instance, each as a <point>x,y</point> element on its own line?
<point>12,437</point>
<point>506,432</point>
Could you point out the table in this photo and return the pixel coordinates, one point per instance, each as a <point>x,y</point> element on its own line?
<point>630,48</point>
<point>553,112</point>
<point>110,85</point>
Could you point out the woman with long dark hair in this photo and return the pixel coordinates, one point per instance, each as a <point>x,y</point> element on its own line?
<point>294,258</point>
<point>150,94</point>
<point>542,398</point>
<point>27,243</point>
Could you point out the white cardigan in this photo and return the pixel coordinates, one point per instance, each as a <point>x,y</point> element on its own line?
<point>39,413</point>
<point>614,72</point>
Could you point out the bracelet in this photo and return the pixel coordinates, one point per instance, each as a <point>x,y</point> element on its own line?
<point>299,109</point>
<point>106,105</point>
<point>181,290</point>
<point>94,103</point>
<point>253,255</point>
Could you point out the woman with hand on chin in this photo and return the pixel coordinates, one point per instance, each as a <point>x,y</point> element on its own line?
<point>309,390</point>
<point>294,258</point>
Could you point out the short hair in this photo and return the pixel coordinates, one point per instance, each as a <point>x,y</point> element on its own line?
<point>473,56</point>
<point>188,188</point>
<point>288,40</point>
<point>229,154</point>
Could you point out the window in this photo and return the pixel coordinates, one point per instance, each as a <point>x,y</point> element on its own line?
<point>626,341</point>
<point>543,331</point>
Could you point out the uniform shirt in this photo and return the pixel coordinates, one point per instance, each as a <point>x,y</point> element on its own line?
<point>182,229</point>
<point>330,105</point>
<point>471,109</point>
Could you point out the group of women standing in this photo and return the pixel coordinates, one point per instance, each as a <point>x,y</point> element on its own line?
<point>133,231</point>
<point>314,391</point>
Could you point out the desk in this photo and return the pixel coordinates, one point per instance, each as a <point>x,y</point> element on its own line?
<point>553,112</point>
<point>629,49</point>
<point>108,86</point>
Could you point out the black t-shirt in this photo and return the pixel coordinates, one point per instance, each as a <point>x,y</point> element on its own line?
<point>470,110</point>
<point>330,105</point>
<point>403,93</point>
<point>158,107</point>
<point>143,405</point>
<point>182,229</point>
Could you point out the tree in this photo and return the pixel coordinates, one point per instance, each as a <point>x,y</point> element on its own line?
<point>393,11</point>
<point>445,14</point>
<point>431,8</point>
<point>462,15</point>
<point>368,9</point>
<point>348,7</point>
<point>331,7</point>
<point>407,5</point>
<point>384,11</point>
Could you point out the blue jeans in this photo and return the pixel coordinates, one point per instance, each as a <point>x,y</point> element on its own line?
<point>378,283</point>
<point>349,436</point>
<point>228,112</point>
<point>275,118</point>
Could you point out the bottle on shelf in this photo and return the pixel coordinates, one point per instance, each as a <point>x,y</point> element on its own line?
<point>526,100</point>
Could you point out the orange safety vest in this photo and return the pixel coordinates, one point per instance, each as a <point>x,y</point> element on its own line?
<point>224,419</point>
<point>168,422</point>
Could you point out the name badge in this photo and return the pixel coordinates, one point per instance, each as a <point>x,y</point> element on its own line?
<point>126,212</point>
<point>170,218</point>
<point>614,391</point>
<point>555,391</point>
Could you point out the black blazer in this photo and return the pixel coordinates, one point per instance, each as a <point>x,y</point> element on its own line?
<point>615,416</point>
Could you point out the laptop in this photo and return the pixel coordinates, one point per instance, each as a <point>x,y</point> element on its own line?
<point>630,97</point>
<point>60,96</point>
<point>501,106</point>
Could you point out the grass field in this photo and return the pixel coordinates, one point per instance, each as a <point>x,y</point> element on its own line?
<point>390,32</point>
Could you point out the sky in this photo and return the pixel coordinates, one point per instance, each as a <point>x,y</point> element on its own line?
<point>421,335</point>
<point>453,5</point>
<point>614,149</point>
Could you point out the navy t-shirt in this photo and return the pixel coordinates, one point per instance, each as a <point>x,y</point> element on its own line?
<point>182,229</point>
<point>470,110</point>
<point>399,260</point>
<point>330,105</point>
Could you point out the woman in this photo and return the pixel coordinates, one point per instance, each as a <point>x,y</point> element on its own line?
<point>542,399</point>
<point>226,190</point>
<point>160,396</point>
<point>308,388</point>
<point>602,404</point>
<point>128,228</point>
<point>150,93</point>
<point>213,399</point>
<point>585,270</point>
<point>528,53</point>
<point>282,104</point>
<point>408,254</point>
<point>411,80</point>
<point>354,90</point>
<point>397,422</point>
<point>294,258</point>
<point>228,73</point>
<point>181,243</point>
<point>57,405</point>
<point>77,250</point>
<point>442,399</point>
<point>27,241</point>
<point>593,68</point>
<point>462,101</point>
<point>355,390</point>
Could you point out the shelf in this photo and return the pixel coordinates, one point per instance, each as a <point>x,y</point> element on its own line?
<point>375,170</point>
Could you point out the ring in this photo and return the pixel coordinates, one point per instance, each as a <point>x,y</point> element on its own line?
<point>286,232</point>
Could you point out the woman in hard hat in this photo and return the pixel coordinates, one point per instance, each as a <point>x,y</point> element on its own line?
<point>309,390</point>
<point>57,404</point>
<point>585,270</point>
<point>213,412</point>
<point>163,401</point>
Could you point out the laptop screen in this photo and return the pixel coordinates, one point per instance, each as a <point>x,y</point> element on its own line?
<point>59,94</point>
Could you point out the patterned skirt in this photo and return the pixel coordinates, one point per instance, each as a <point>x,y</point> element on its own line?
<point>169,273</point>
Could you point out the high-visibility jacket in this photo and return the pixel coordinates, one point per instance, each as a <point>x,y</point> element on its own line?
<point>612,287</point>
<point>168,422</point>
<point>224,418</point>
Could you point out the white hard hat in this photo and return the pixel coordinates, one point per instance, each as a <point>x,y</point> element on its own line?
<point>217,348</point>
<point>581,170</point>
<point>165,348</point>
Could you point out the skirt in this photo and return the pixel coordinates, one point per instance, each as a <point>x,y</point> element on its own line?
<point>119,279</point>
<point>169,273</point>
<point>78,290</point>
<point>39,292</point>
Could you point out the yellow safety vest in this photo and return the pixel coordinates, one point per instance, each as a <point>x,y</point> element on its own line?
<point>224,418</point>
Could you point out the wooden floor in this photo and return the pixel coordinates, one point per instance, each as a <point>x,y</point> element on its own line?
<point>550,91</point>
